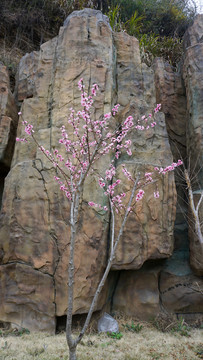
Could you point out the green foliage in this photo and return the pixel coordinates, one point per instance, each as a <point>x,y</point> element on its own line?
<point>14,332</point>
<point>134,24</point>
<point>151,46</point>
<point>181,328</point>
<point>27,24</point>
<point>162,17</point>
<point>114,18</point>
<point>133,327</point>
<point>158,24</point>
<point>115,335</point>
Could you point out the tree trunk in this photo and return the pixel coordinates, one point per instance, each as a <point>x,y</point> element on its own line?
<point>72,354</point>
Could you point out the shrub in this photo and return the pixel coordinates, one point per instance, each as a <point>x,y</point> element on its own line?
<point>151,46</point>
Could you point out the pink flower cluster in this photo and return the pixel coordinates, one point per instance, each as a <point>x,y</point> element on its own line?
<point>148,177</point>
<point>156,194</point>
<point>168,168</point>
<point>115,109</point>
<point>88,141</point>
<point>63,187</point>
<point>111,187</point>
<point>28,128</point>
<point>157,108</point>
<point>21,140</point>
<point>110,172</point>
<point>126,172</point>
<point>95,87</point>
<point>92,204</point>
<point>140,195</point>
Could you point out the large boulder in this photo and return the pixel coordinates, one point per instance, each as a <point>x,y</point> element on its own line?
<point>193,79</point>
<point>35,214</point>
<point>8,120</point>
<point>137,293</point>
<point>8,126</point>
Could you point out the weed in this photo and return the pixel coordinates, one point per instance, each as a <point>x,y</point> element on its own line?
<point>155,356</point>
<point>103,345</point>
<point>133,327</point>
<point>129,357</point>
<point>199,351</point>
<point>164,321</point>
<point>14,332</point>
<point>115,335</point>
<point>5,346</point>
<point>181,327</point>
<point>23,331</point>
<point>36,351</point>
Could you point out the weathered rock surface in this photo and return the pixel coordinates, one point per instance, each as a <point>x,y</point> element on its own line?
<point>193,78</point>
<point>196,248</point>
<point>8,121</point>
<point>34,221</point>
<point>181,294</point>
<point>137,294</point>
<point>170,92</point>
<point>142,239</point>
<point>27,297</point>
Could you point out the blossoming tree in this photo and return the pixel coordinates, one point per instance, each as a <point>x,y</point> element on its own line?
<point>81,149</point>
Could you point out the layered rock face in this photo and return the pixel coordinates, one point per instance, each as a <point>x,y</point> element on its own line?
<point>193,78</point>
<point>35,216</point>
<point>8,125</point>
<point>8,120</point>
<point>34,228</point>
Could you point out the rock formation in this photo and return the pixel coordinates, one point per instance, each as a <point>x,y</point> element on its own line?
<point>34,230</point>
<point>193,79</point>
<point>8,125</point>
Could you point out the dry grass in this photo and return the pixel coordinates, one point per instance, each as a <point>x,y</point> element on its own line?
<point>149,343</point>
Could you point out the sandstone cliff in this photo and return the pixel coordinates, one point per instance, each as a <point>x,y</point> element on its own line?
<point>34,229</point>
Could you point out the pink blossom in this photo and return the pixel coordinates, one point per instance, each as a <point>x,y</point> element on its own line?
<point>107,116</point>
<point>91,203</point>
<point>128,142</point>
<point>156,194</point>
<point>140,195</point>
<point>21,140</point>
<point>101,183</point>
<point>126,172</point>
<point>29,129</point>
<point>158,108</point>
<point>68,195</point>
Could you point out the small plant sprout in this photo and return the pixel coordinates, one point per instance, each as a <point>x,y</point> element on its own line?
<point>133,327</point>
<point>115,335</point>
